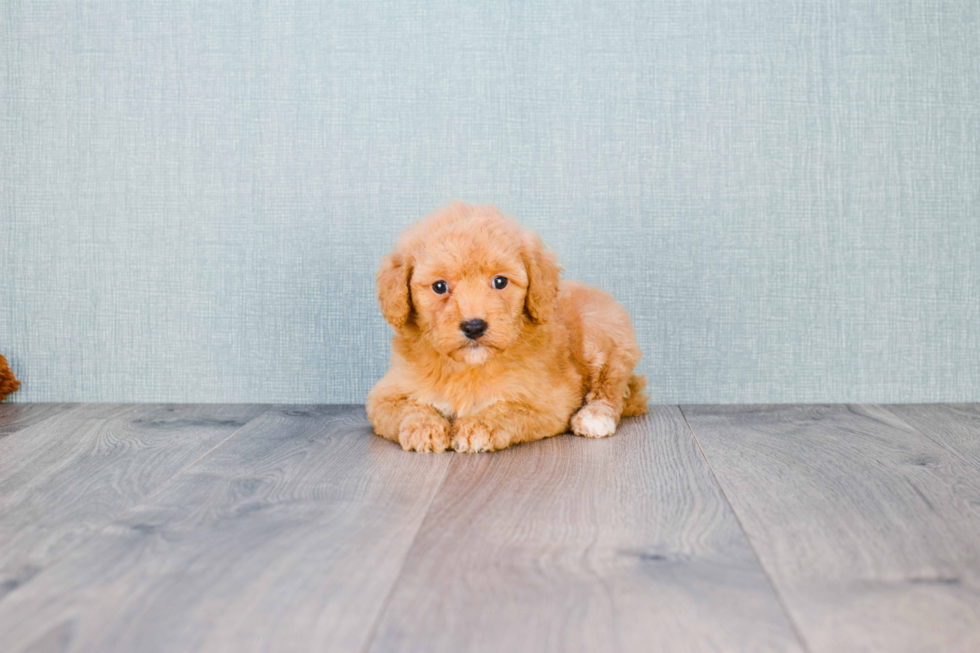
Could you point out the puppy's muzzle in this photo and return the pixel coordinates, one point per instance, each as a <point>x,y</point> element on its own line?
<point>473,328</point>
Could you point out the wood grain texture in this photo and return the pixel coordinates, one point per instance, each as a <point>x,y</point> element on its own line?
<point>869,531</point>
<point>14,417</point>
<point>66,476</point>
<point>287,538</point>
<point>955,426</point>
<point>570,544</point>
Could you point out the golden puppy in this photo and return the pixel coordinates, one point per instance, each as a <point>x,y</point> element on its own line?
<point>491,348</point>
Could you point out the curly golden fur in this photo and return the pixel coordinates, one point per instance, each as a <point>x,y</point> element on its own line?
<point>555,354</point>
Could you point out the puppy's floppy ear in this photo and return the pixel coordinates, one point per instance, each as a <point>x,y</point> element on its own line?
<point>393,292</point>
<point>543,275</point>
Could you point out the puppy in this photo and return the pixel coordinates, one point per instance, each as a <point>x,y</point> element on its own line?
<point>491,347</point>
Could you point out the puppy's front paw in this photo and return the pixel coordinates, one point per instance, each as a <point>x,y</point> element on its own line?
<point>595,419</point>
<point>424,433</point>
<point>474,436</point>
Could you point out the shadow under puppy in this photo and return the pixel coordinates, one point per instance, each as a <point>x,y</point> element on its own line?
<point>491,347</point>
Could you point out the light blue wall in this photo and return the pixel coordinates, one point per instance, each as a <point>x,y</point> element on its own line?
<point>785,194</point>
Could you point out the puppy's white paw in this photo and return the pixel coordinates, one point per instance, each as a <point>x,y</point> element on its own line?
<point>594,420</point>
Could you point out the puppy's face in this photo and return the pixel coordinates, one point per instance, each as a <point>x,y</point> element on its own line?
<point>470,280</point>
<point>469,302</point>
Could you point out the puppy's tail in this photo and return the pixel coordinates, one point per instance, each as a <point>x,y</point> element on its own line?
<point>636,399</point>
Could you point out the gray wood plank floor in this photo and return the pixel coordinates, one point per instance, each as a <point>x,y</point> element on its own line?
<point>15,417</point>
<point>869,530</point>
<point>622,544</point>
<point>955,426</point>
<point>65,476</point>
<point>292,528</point>
<point>287,538</point>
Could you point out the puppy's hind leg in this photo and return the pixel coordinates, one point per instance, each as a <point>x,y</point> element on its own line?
<point>613,392</point>
<point>636,400</point>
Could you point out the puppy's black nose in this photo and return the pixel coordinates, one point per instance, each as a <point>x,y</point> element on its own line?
<point>473,328</point>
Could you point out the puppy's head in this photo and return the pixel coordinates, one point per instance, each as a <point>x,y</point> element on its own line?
<point>470,281</point>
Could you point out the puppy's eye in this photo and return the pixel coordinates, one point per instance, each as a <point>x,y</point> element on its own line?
<point>440,287</point>
<point>500,283</point>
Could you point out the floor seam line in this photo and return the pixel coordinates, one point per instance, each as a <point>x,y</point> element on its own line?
<point>373,632</point>
<point>748,539</point>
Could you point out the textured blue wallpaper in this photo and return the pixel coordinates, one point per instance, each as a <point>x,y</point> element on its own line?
<point>785,194</point>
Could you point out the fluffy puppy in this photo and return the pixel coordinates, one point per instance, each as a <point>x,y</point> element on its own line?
<point>491,347</point>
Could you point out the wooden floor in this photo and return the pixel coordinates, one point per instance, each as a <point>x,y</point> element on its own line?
<point>291,528</point>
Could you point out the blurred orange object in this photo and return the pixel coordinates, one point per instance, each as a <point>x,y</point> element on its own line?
<point>8,383</point>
